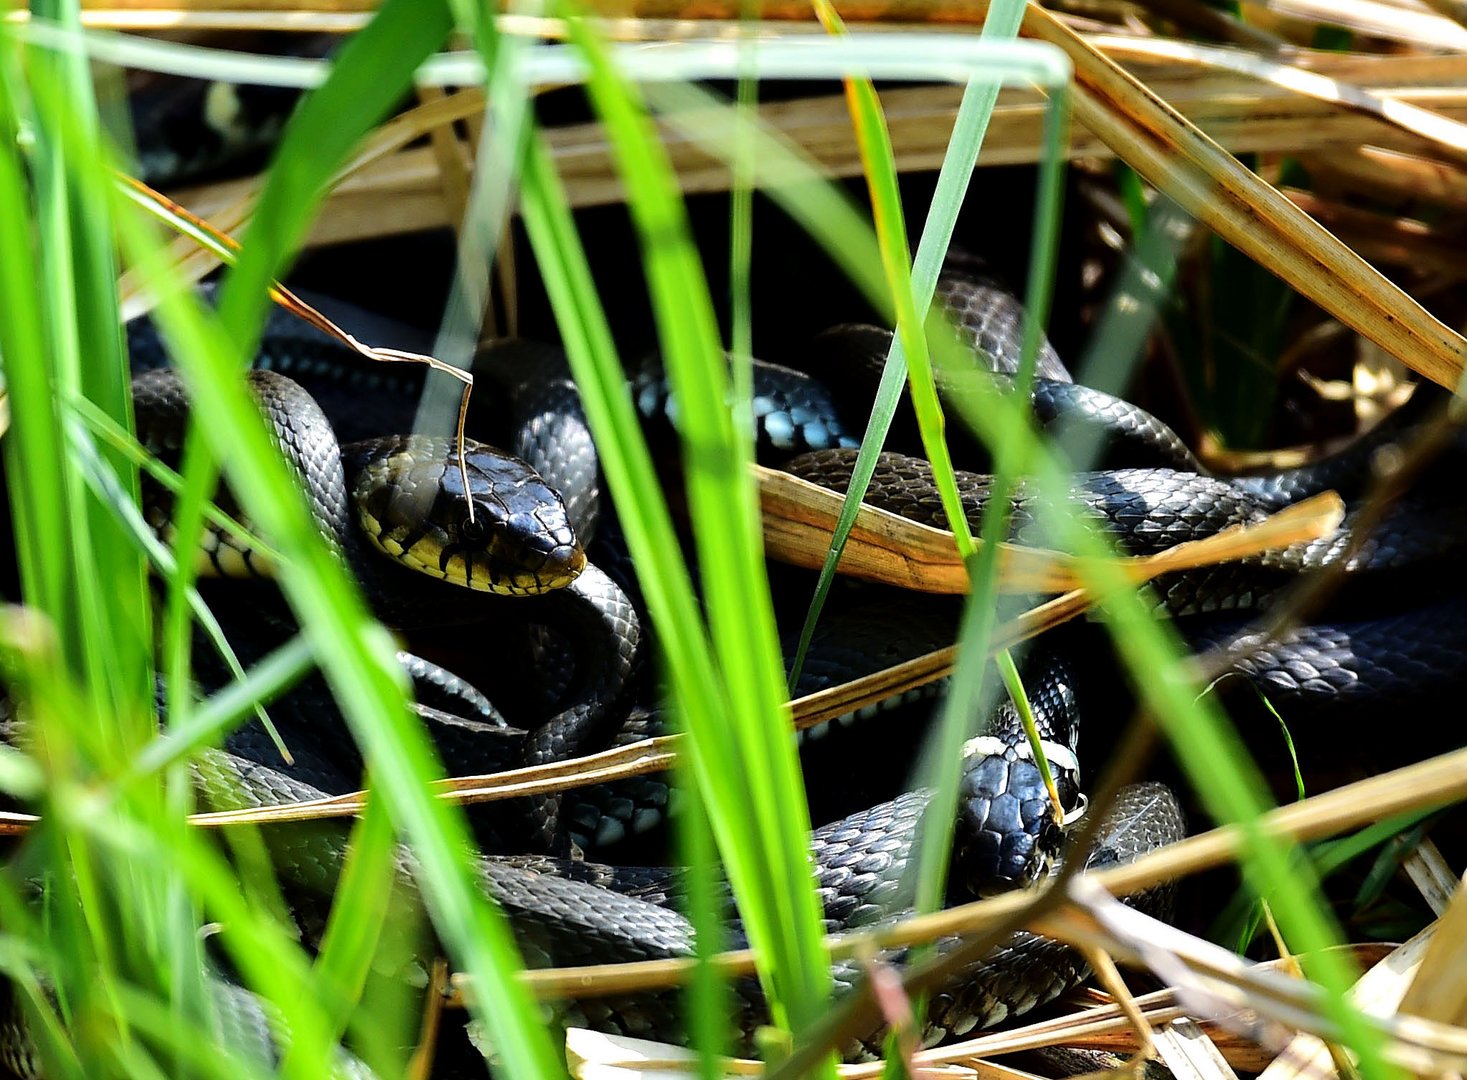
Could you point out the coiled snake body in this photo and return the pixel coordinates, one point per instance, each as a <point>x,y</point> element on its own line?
<point>574,912</point>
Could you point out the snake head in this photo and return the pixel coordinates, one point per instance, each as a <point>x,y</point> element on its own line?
<point>1006,835</point>
<point>411,503</point>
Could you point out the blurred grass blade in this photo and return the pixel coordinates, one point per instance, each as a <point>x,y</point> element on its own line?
<point>275,673</point>
<point>1248,213</point>
<point>77,563</point>
<point>125,442</point>
<point>967,706</point>
<point>360,910</point>
<point>104,485</point>
<point>772,879</point>
<point>1209,750</point>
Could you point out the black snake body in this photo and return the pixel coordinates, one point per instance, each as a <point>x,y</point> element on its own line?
<point>1392,634</point>
<point>571,913</point>
<point>859,861</point>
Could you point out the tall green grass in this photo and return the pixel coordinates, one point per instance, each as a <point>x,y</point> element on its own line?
<point>114,949</point>
<point>80,963</point>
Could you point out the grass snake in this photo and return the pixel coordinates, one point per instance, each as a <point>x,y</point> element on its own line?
<point>575,912</point>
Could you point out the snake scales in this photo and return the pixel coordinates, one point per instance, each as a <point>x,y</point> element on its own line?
<point>565,913</point>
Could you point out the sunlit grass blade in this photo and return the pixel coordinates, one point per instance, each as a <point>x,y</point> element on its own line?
<point>566,305</point>
<point>75,817</point>
<point>969,127</point>
<point>772,878</point>
<point>965,694</point>
<point>77,563</point>
<point>701,698</point>
<point>273,674</point>
<point>373,70</point>
<point>707,997</point>
<point>117,437</point>
<point>910,347</point>
<point>77,268</point>
<point>107,491</point>
<point>357,657</point>
<point>361,916</point>
<point>967,704</point>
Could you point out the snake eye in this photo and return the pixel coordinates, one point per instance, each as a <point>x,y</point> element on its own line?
<point>472,530</point>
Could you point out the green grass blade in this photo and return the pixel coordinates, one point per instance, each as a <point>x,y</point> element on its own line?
<point>123,441</point>
<point>773,881</point>
<point>356,655</point>
<point>360,910</point>
<point>967,706</point>
<point>114,918</point>
<point>77,268</point>
<point>969,127</point>
<point>707,996</point>
<point>104,486</point>
<point>34,444</point>
<point>701,699</point>
<point>275,673</point>
<point>1009,672</point>
<point>357,658</point>
<point>370,74</point>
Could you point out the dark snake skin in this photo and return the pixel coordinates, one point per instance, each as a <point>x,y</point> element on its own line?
<point>569,913</point>
<point>852,856</point>
<point>1351,666</point>
<point>591,609</point>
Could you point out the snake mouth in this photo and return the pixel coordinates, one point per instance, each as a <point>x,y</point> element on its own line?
<point>502,564</point>
<point>508,569</point>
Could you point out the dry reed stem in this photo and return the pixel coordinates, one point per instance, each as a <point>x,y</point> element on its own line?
<point>1445,134</point>
<point>1433,878</point>
<point>1187,1050</point>
<point>1386,21</point>
<point>1109,977</point>
<point>1254,217</point>
<point>1105,1027</point>
<point>799,519</point>
<point>1390,241</point>
<point>1378,993</point>
<point>1176,157</point>
<point>453,161</point>
<point>1239,113</point>
<point>1263,1003</point>
<point>228,209</point>
<point>420,1065</point>
<point>1390,174</point>
<point>1095,1027</point>
<point>1439,989</point>
<point>1456,10</point>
